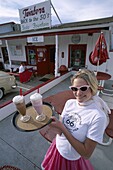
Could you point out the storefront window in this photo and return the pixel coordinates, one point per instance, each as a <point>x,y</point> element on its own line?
<point>31,57</point>
<point>41,54</point>
<point>5,55</point>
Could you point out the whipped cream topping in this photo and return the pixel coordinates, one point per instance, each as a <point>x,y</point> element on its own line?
<point>36,97</point>
<point>18,99</point>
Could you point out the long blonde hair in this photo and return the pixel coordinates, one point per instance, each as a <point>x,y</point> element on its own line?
<point>89,77</point>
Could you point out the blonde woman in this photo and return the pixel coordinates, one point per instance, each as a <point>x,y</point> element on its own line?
<point>82,127</point>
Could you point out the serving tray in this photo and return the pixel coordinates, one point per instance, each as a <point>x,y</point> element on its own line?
<point>33,124</point>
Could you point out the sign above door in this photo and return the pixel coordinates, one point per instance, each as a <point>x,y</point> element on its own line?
<point>35,39</point>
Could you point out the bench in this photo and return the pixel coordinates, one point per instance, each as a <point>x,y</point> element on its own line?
<point>58,101</point>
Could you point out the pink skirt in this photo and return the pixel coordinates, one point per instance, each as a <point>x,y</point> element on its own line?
<point>53,160</point>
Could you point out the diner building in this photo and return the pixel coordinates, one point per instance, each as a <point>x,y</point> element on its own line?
<point>56,49</point>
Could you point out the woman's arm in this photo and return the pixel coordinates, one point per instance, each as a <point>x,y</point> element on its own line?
<point>84,149</point>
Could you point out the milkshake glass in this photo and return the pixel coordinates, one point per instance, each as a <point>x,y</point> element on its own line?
<point>19,102</point>
<point>36,100</point>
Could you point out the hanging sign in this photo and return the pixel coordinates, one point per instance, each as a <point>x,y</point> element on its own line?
<point>35,39</point>
<point>36,16</point>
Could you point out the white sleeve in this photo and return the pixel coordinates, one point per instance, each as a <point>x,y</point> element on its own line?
<point>97,128</point>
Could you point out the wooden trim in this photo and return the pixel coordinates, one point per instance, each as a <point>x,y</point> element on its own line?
<point>60,32</point>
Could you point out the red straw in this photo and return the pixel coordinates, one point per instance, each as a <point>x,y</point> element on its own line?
<point>20,91</point>
<point>38,90</point>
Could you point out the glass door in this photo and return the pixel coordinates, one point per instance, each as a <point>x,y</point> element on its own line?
<point>51,55</point>
<point>77,56</point>
<point>42,60</point>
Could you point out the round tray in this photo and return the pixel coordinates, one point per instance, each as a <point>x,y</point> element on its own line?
<point>33,124</point>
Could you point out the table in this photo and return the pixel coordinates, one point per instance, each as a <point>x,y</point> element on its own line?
<point>101,77</point>
<point>58,100</point>
<point>9,167</point>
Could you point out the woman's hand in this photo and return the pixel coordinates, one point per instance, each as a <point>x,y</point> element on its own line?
<point>56,125</point>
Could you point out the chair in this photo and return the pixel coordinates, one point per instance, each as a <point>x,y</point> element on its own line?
<point>107,92</point>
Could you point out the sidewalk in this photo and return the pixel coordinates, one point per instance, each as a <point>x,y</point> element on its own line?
<point>26,150</point>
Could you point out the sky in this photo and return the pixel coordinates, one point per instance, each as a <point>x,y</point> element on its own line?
<point>67,10</point>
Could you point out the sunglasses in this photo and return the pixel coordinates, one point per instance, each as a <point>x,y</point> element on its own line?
<point>82,88</point>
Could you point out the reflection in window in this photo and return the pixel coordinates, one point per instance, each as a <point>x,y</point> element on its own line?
<point>31,57</point>
<point>41,54</point>
<point>77,58</point>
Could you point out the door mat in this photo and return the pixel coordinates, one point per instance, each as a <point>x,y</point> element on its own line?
<point>44,79</point>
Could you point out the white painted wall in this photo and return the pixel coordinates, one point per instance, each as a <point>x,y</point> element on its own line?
<point>18,42</point>
<point>64,41</point>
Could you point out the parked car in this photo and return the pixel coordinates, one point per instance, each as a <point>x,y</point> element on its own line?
<point>7,83</point>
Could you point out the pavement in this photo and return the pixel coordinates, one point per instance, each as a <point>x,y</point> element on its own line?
<point>26,150</point>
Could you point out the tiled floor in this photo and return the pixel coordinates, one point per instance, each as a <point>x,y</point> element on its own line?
<point>26,150</point>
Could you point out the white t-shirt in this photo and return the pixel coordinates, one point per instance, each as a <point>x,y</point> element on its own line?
<point>21,69</point>
<point>86,121</point>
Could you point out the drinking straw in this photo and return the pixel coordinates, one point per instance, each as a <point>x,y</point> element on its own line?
<point>21,91</point>
<point>38,90</point>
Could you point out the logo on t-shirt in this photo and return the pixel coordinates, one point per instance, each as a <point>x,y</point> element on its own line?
<point>71,121</point>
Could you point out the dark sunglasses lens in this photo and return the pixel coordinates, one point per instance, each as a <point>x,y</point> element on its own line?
<point>83,88</point>
<point>74,89</point>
